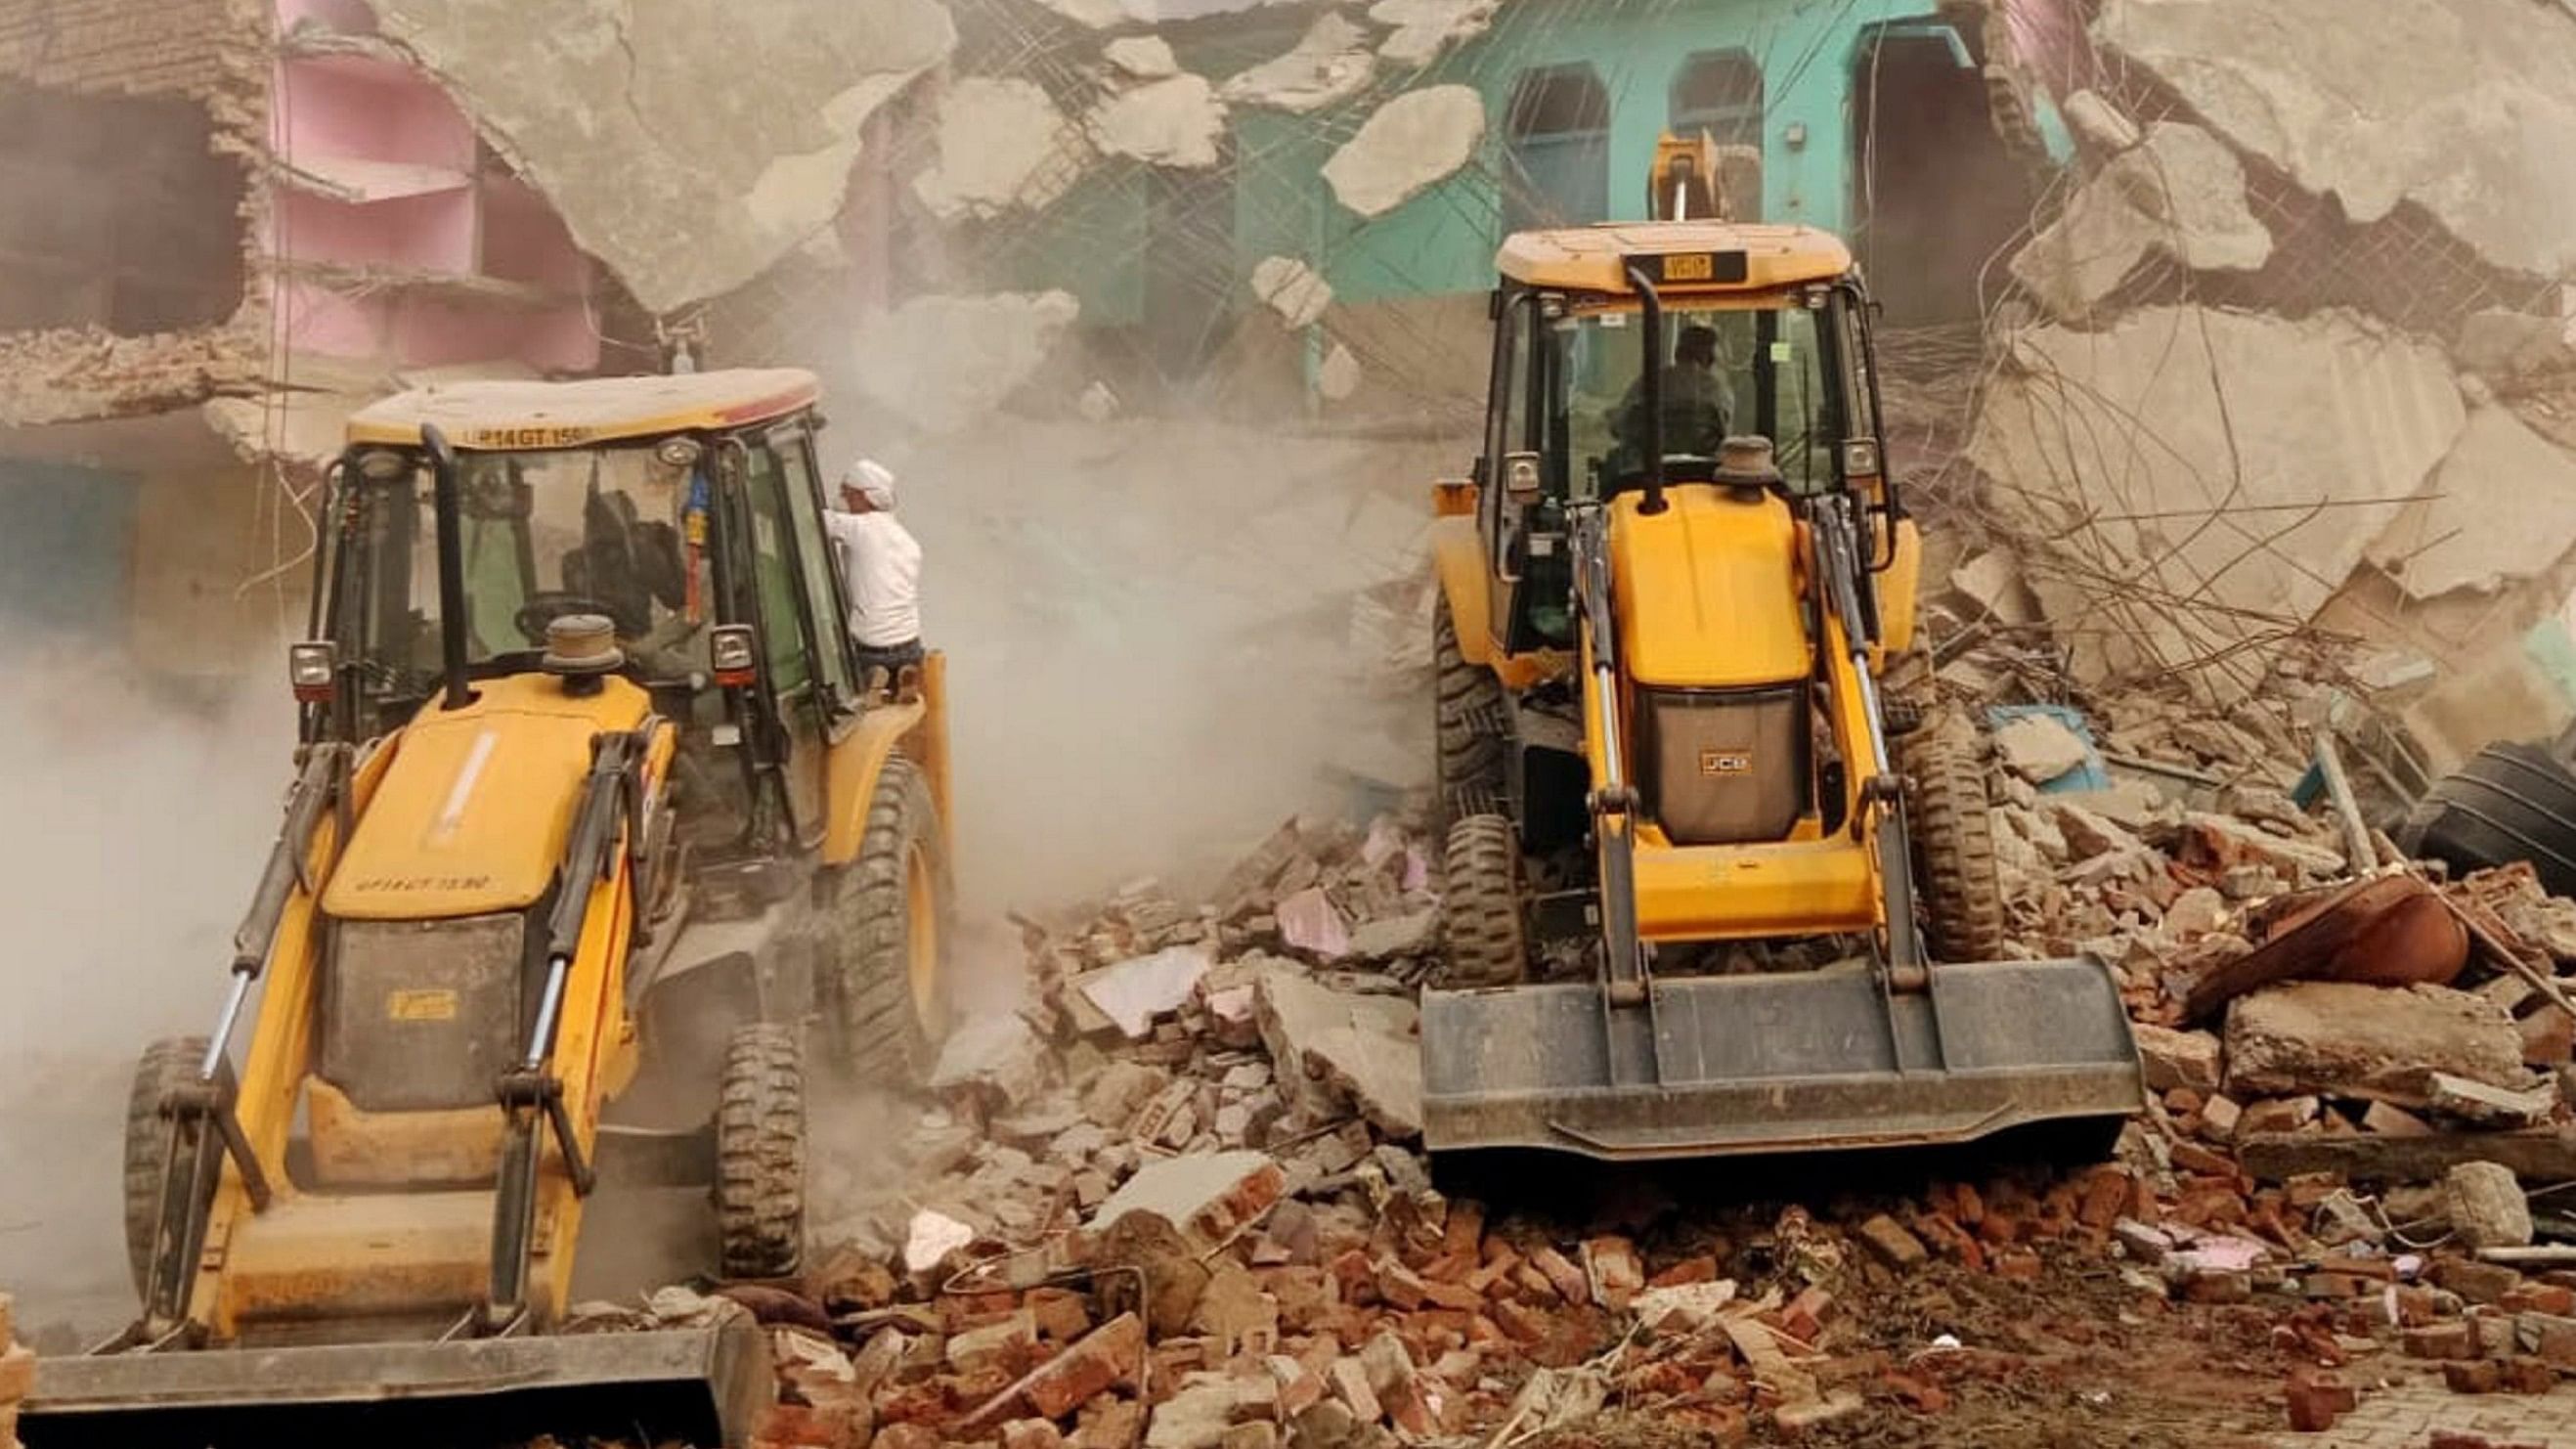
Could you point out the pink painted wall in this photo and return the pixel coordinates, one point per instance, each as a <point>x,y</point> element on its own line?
<point>492,225</point>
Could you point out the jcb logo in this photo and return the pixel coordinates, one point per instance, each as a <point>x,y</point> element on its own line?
<point>1718,764</point>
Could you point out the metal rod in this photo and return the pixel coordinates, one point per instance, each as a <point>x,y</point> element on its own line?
<point>451,565</point>
<point>2356,831</point>
<point>549,1005</point>
<point>225,1024</point>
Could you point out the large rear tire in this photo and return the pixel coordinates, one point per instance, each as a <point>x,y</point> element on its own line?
<point>890,911</point>
<point>760,1155</point>
<point>1483,931</point>
<point>1954,853</point>
<point>166,1064</point>
<point>1468,710</point>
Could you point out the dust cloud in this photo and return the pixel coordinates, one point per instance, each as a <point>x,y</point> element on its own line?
<point>136,825</point>
<point>1149,627</point>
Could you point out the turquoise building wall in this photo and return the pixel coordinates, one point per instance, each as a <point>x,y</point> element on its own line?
<point>1097,242</point>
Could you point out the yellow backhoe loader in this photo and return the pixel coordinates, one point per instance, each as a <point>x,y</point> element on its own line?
<point>598,840</point>
<point>1665,599</point>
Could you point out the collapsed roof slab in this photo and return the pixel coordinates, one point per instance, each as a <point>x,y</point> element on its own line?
<point>1175,122</point>
<point>2179,193</point>
<point>1330,64</point>
<point>1002,144</point>
<point>1424,28</point>
<point>2501,508</point>
<point>2461,106</point>
<point>1407,146</point>
<point>687,182</point>
<point>2200,480</point>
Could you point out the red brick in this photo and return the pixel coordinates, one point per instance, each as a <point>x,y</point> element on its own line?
<point>801,1426</point>
<point>2554,1338</point>
<point>2440,1341</point>
<point>1613,1271</point>
<point>1463,1234</point>
<point>1893,1244</point>
<point>2473,1376</point>
<point>1702,1269</point>
<point>2554,1299</point>
<point>2528,1376</point>
<point>2212,1287</point>
<point>2475,1281</point>
<point>2548,1037</point>
<point>2193,1158</point>
<point>1060,1313</point>
<point>1351,1385</point>
<point>1108,1356</point>
<point>2106,1195</point>
<point>1562,1275</point>
<point>2315,1403</point>
<point>1524,1324</point>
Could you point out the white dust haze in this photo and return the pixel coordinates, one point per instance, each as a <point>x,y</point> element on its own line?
<point>135,826</point>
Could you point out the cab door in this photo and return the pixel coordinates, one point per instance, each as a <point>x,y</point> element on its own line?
<point>803,632</point>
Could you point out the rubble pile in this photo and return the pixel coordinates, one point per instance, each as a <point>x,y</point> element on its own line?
<point>1175,1201</point>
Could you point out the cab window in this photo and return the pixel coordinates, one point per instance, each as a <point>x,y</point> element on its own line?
<point>817,564</point>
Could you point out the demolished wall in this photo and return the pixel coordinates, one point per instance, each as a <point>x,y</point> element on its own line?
<point>713,183</point>
<point>2309,350</point>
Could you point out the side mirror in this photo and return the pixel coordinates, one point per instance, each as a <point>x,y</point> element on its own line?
<point>734,652</point>
<point>1521,478</point>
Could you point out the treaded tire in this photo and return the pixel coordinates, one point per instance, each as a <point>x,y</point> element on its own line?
<point>1467,711</point>
<point>2509,802</point>
<point>1485,940</point>
<point>1954,853</point>
<point>760,1155</point>
<point>165,1064</point>
<point>885,1038</point>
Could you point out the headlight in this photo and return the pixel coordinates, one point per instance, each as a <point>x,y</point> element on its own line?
<point>677,452</point>
<point>309,669</point>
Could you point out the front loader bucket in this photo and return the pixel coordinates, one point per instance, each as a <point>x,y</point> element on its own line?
<point>1787,1062</point>
<point>696,1386</point>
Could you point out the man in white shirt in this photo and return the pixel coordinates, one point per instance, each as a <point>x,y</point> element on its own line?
<point>880,572</point>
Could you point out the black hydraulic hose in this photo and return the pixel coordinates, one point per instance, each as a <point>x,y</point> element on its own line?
<point>451,565</point>
<point>1651,385</point>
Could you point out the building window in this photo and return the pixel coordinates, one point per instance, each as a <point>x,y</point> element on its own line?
<point>1556,149</point>
<point>1720,92</point>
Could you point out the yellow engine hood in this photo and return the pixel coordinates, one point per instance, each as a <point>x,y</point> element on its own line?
<point>1708,590</point>
<point>474,810</point>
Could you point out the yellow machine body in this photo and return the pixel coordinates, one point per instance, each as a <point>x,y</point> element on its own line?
<point>1659,654</point>
<point>355,1229</point>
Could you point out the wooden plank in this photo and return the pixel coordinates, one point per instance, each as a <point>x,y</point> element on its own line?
<point>2544,1156</point>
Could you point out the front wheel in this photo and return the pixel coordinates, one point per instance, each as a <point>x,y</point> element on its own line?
<point>760,1155</point>
<point>1954,852</point>
<point>1468,710</point>
<point>890,911</point>
<point>169,1063</point>
<point>1483,933</point>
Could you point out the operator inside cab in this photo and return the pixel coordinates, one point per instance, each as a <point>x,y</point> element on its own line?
<point>1694,402</point>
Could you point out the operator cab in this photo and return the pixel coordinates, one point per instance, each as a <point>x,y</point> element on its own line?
<point>686,511</point>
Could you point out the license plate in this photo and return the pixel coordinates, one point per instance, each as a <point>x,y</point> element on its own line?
<point>1698,267</point>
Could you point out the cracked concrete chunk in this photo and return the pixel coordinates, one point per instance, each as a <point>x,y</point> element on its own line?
<point>947,363</point>
<point>1171,122</point>
<point>2381,1043</point>
<point>712,183</point>
<point>1296,291</point>
<point>1424,28</point>
<point>1146,57</point>
<point>1331,64</point>
<point>1002,143</point>
<point>2223,457</point>
<point>1407,146</point>
<point>2501,507</point>
<point>2180,193</point>
<point>1333,1047</point>
<point>2461,106</point>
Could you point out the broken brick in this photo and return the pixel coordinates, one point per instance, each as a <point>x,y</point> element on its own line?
<point>1894,1246</point>
<point>1108,1356</point>
<point>2473,1376</point>
<point>2440,1341</point>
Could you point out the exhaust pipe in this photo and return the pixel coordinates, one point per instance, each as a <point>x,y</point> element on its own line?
<point>451,565</point>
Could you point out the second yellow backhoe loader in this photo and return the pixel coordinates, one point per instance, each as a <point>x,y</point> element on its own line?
<point>1665,601</point>
<point>599,842</point>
